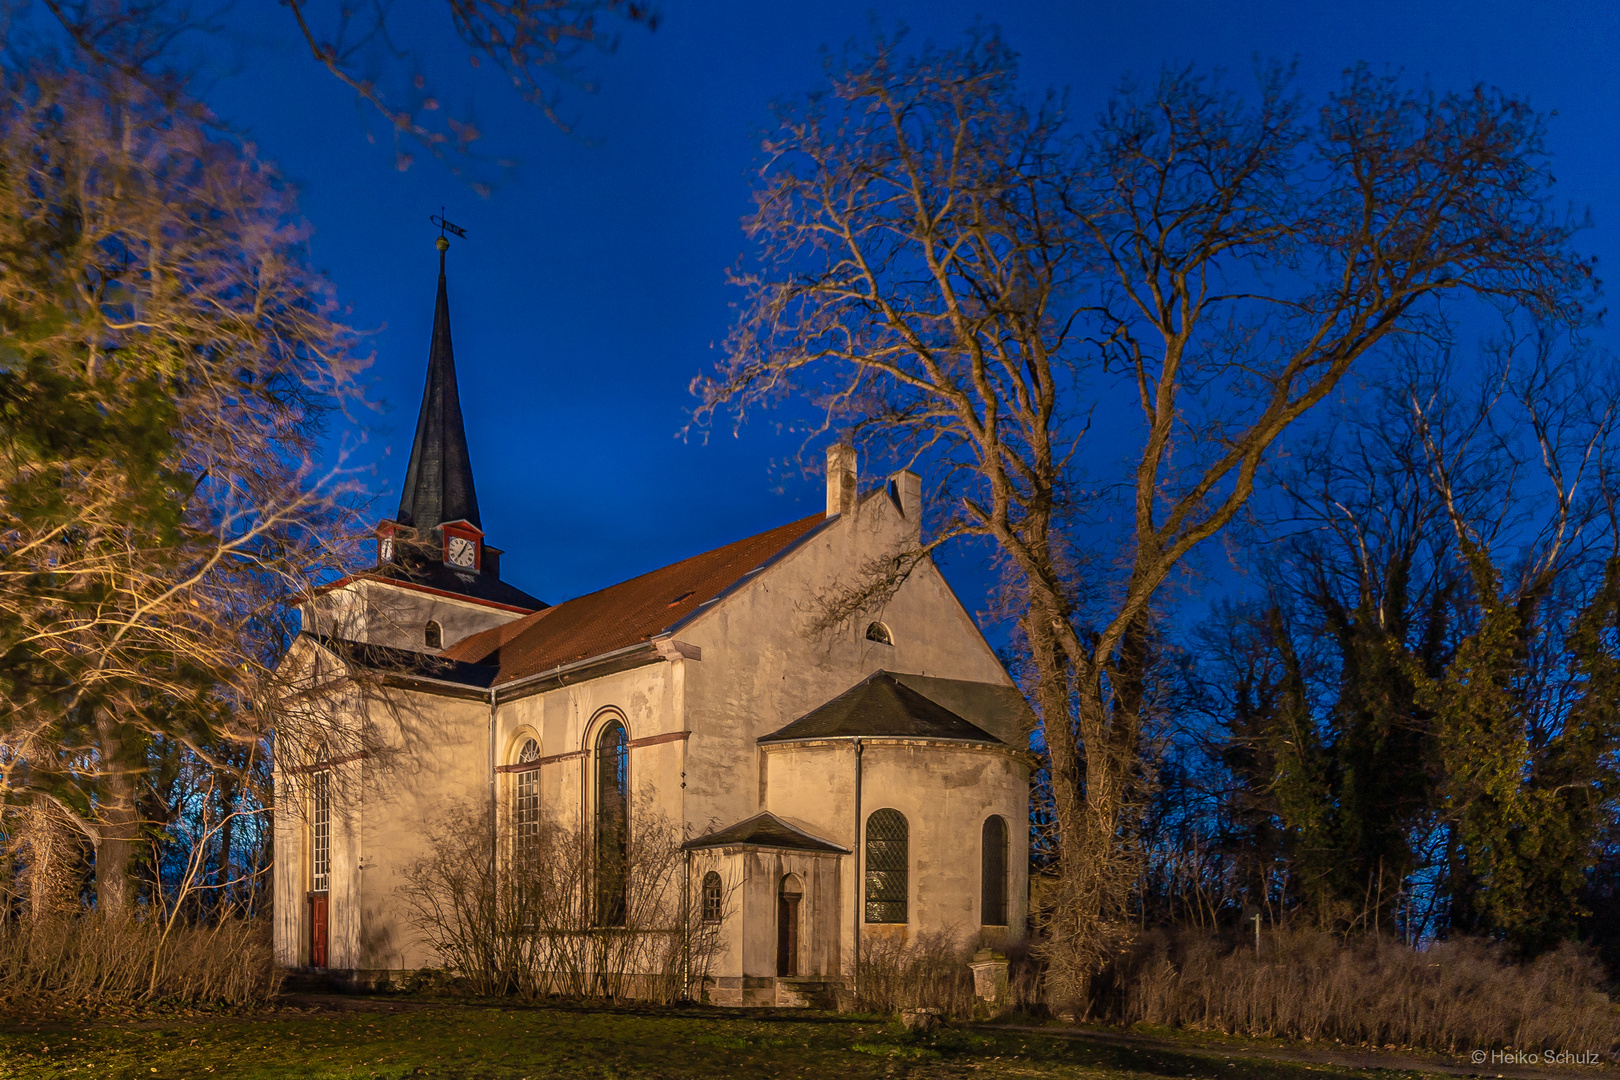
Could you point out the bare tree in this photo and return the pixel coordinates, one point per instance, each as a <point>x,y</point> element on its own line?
<point>1122,324</point>
<point>540,46</point>
<point>168,364</point>
<point>520,914</point>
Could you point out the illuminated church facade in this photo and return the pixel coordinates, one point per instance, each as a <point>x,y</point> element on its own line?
<point>829,791</point>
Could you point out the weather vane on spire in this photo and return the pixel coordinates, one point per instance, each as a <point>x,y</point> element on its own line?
<point>443,242</point>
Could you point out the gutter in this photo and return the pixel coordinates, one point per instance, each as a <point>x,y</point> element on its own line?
<point>562,670</point>
<point>855,938</point>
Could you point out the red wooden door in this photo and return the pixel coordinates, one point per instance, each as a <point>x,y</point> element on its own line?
<point>317,930</point>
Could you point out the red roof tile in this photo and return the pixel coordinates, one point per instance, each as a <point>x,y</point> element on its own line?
<point>625,614</point>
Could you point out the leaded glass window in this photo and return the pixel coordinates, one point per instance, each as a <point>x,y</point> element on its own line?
<point>526,813</point>
<point>320,824</point>
<point>993,867</point>
<point>712,897</point>
<point>612,823</point>
<point>433,635</point>
<point>888,862</point>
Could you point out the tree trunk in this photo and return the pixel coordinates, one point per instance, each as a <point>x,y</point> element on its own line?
<point>49,847</point>
<point>118,829</point>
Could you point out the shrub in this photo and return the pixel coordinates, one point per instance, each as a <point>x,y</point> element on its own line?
<point>97,960</point>
<point>1455,995</point>
<point>931,972</point>
<point>522,920</point>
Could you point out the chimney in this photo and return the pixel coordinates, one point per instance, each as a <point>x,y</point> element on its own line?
<point>907,488</point>
<point>840,479</point>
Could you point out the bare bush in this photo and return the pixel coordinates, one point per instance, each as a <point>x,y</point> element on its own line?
<point>932,972</point>
<point>1456,995</point>
<point>100,960</point>
<point>522,918</point>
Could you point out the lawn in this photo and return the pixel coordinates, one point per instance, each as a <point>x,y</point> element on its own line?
<point>392,1040</point>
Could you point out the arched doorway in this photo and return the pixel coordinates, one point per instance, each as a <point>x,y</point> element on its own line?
<point>788,896</point>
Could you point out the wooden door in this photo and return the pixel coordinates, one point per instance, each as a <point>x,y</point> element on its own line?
<point>787,927</point>
<point>317,930</point>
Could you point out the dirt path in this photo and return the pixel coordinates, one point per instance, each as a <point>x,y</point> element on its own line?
<point>1346,1057</point>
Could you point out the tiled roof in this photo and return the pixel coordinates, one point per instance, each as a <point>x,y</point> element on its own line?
<point>880,705</point>
<point>999,709</point>
<point>625,614</point>
<point>765,830</point>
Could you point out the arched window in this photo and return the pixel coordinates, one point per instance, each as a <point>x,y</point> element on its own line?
<point>879,633</point>
<point>993,869</point>
<point>712,897</point>
<point>526,808</point>
<point>888,861</point>
<point>433,635</point>
<point>612,823</point>
<point>320,823</point>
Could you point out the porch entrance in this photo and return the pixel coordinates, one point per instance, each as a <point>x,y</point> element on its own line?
<point>787,925</point>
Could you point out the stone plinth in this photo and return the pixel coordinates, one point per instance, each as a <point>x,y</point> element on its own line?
<point>989,976</point>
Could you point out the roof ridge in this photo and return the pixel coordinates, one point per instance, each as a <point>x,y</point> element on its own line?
<point>683,562</point>
<point>902,712</point>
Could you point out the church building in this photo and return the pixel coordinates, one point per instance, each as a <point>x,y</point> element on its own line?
<point>829,792</point>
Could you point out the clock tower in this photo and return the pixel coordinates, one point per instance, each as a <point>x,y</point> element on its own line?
<point>436,579</point>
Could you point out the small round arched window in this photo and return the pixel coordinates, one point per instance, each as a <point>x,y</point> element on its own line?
<point>713,897</point>
<point>879,633</point>
<point>433,635</point>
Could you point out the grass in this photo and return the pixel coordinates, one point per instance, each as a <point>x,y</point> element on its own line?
<point>443,1040</point>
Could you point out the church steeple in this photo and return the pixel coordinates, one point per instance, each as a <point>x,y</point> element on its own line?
<point>439,480</point>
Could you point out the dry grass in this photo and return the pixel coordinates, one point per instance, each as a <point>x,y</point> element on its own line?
<point>1457,995</point>
<point>931,972</point>
<point>92,960</point>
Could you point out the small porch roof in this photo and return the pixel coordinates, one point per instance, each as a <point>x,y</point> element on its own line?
<point>765,830</point>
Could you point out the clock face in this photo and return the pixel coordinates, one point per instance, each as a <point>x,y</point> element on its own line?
<point>460,551</point>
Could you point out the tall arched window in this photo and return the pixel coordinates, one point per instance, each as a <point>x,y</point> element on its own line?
<point>888,862</point>
<point>526,799</point>
<point>993,868</point>
<point>433,635</point>
<point>320,823</point>
<point>612,823</point>
<point>713,897</point>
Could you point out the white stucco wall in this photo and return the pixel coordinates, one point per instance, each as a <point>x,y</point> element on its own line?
<point>763,668</point>
<point>380,613</point>
<point>695,763</point>
<point>945,791</point>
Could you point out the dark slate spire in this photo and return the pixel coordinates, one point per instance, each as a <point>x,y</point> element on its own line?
<point>439,479</point>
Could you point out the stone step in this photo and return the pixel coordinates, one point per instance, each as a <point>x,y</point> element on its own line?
<point>806,994</point>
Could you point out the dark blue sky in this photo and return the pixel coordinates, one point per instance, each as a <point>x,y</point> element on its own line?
<point>592,286</point>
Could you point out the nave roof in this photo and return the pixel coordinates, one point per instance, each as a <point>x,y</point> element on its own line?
<point>630,613</point>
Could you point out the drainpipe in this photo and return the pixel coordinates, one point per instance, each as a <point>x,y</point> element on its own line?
<point>494,828</point>
<point>686,932</point>
<point>686,895</point>
<point>855,938</point>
